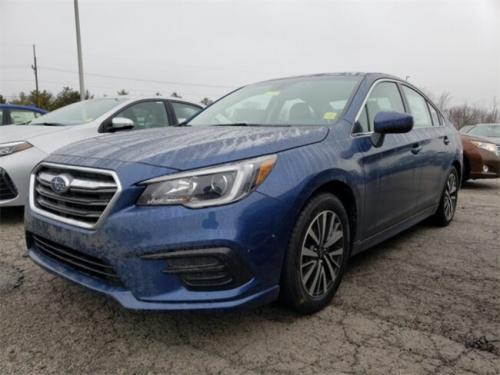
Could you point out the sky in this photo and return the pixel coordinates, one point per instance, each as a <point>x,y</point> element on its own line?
<point>207,48</point>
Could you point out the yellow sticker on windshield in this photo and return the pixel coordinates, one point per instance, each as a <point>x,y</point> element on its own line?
<point>330,115</point>
<point>273,93</point>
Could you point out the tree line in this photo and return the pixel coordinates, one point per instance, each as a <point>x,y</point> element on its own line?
<point>48,101</point>
<point>467,114</point>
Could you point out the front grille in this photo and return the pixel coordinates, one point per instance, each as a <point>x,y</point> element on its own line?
<point>7,188</point>
<point>82,202</point>
<point>79,261</point>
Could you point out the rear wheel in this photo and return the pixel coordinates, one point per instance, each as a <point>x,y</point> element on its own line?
<point>447,205</point>
<point>317,255</point>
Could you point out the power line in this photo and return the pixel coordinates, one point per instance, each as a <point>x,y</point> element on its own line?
<point>140,79</point>
<point>90,86</point>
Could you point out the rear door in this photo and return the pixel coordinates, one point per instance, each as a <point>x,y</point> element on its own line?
<point>433,142</point>
<point>391,177</point>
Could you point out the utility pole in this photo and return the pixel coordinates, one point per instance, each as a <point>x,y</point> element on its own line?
<point>79,47</point>
<point>35,69</point>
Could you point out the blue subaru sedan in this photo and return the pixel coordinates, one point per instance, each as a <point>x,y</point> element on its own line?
<point>266,193</point>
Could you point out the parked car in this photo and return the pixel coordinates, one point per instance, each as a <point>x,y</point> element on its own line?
<point>23,147</point>
<point>268,191</point>
<point>490,131</point>
<point>18,114</point>
<point>465,129</point>
<point>482,152</point>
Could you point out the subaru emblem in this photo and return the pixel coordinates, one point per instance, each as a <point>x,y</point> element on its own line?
<point>60,184</point>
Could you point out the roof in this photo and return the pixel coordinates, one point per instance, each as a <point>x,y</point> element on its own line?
<point>371,75</point>
<point>151,97</point>
<point>25,107</point>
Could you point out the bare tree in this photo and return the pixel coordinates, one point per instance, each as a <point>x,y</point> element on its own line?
<point>206,101</point>
<point>443,101</point>
<point>465,114</point>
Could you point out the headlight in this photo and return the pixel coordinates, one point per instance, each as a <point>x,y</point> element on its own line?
<point>10,148</point>
<point>209,186</point>
<point>486,146</point>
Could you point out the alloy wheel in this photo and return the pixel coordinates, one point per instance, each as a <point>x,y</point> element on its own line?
<point>450,196</point>
<point>322,253</point>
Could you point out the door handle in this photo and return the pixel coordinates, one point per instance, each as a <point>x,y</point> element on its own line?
<point>416,148</point>
<point>446,140</point>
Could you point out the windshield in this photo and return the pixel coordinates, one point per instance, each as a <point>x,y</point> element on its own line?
<point>492,131</point>
<point>317,100</point>
<point>78,113</point>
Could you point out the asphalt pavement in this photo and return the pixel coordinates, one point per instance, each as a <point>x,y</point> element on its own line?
<point>424,302</point>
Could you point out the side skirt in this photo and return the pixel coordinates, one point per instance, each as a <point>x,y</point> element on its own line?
<point>393,230</point>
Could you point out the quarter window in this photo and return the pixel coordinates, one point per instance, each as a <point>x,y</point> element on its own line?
<point>184,111</point>
<point>418,108</point>
<point>384,97</point>
<point>22,117</point>
<point>146,115</point>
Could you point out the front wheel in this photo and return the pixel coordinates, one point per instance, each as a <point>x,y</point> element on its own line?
<point>448,204</point>
<point>317,255</point>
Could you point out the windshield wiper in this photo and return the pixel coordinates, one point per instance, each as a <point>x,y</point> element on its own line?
<point>47,123</point>
<point>183,123</point>
<point>249,124</point>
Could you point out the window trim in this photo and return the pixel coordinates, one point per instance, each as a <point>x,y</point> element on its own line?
<point>440,120</point>
<point>374,84</point>
<point>427,101</point>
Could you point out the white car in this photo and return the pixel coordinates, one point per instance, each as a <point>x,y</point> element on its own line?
<point>24,146</point>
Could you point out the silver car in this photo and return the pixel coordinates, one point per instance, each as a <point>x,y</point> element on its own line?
<point>24,146</point>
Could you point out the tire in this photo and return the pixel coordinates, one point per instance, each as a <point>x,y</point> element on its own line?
<point>316,258</point>
<point>448,203</point>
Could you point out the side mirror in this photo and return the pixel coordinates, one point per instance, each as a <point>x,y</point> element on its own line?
<point>121,123</point>
<point>392,122</point>
<point>386,122</point>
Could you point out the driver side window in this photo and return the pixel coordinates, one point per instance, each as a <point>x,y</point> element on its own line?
<point>384,97</point>
<point>146,115</point>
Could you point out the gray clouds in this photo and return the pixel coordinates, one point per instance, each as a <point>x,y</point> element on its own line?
<point>443,45</point>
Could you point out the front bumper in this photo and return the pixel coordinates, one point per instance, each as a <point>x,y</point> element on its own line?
<point>134,240</point>
<point>483,164</point>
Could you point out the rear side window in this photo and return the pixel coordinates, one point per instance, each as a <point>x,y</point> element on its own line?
<point>434,115</point>
<point>418,108</point>
<point>384,97</point>
<point>19,116</point>
<point>184,111</point>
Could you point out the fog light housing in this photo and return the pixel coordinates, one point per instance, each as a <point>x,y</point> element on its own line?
<point>205,269</point>
<point>486,169</point>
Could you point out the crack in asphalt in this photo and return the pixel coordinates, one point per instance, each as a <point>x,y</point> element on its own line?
<point>407,306</point>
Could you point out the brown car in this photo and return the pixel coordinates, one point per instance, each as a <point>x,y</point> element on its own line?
<point>481,157</point>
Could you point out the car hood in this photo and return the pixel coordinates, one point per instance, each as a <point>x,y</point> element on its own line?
<point>11,133</point>
<point>47,138</point>
<point>185,148</point>
<point>469,137</point>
